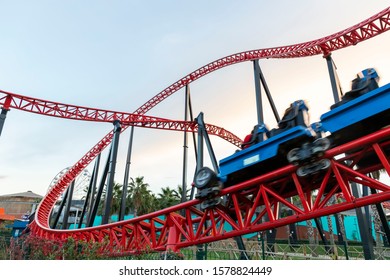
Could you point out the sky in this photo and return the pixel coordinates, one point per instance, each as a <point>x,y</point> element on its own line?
<point>118,54</point>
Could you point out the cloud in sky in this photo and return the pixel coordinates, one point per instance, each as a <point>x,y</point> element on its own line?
<point>118,54</point>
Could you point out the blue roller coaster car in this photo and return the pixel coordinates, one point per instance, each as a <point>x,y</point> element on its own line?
<point>266,155</point>
<point>363,110</point>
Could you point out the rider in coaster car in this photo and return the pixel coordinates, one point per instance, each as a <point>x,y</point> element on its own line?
<point>365,81</point>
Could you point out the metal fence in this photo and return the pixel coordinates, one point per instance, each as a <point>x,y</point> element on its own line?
<point>228,250</point>
<point>255,250</point>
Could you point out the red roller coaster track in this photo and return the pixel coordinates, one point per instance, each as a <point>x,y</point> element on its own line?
<point>266,192</point>
<point>60,110</point>
<point>169,229</point>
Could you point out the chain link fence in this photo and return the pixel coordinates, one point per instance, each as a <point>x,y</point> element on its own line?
<point>260,250</point>
<point>255,250</point>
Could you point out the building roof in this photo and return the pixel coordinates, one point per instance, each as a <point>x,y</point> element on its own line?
<point>28,194</point>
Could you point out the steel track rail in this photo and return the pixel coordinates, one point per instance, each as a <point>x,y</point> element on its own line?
<point>249,202</point>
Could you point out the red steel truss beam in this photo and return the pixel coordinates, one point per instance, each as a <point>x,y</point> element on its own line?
<point>249,202</point>
<point>67,111</point>
<point>365,30</point>
<point>48,108</point>
<point>11,100</point>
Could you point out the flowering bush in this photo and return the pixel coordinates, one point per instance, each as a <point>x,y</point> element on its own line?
<point>36,248</point>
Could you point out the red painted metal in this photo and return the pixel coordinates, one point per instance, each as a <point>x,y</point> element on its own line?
<point>367,29</point>
<point>265,192</point>
<point>249,202</point>
<point>67,111</point>
<point>6,101</point>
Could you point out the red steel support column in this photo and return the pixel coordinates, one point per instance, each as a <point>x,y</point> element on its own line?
<point>4,111</point>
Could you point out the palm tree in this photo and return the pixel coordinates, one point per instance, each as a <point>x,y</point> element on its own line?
<point>167,198</point>
<point>140,197</point>
<point>178,193</point>
<point>116,198</point>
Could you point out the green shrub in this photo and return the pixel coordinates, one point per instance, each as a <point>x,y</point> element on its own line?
<point>36,248</point>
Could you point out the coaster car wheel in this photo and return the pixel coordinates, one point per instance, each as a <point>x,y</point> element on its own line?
<point>205,177</point>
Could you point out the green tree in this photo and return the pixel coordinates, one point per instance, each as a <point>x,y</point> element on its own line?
<point>116,198</point>
<point>167,198</point>
<point>178,193</point>
<point>140,197</point>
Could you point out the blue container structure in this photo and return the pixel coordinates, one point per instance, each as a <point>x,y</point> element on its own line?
<point>18,227</point>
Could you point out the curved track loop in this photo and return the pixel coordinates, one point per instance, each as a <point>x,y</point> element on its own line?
<point>150,231</point>
<point>171,229</point>
<point>367,29</point>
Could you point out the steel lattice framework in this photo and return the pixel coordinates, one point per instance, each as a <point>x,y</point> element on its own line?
<point>365,30</point>
<point>249,201</point>
<point>67,111</point>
